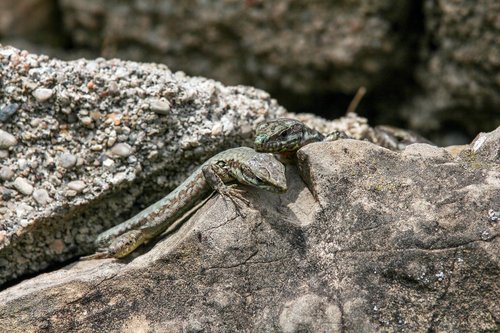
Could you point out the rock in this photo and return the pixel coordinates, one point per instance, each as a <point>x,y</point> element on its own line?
<point>458,74</point>
<point>35,15</point>
<point>121,149</point>
<point>41,196</point>
<point>67,160</point>
<point>6,173</point>
<point>383,242</point>
<point>77,185</point>
<point>316,54</point>
<point>108,163</point>
<point>54,128</point>
<point>7,140</point>
<point>486,146</point>
<point>7,111</point>
<point>42,94</point>
<point>159,106</point>
<point>23,186</point>
<point>22,210</point>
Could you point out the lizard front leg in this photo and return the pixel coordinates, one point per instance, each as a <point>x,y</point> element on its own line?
<point>216,175</point>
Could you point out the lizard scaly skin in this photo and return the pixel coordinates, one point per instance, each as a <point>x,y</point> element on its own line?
<point>242,165</point>
<point>288,135</point>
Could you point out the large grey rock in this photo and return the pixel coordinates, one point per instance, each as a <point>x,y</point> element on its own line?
<point>30,19</point>
<point>459,69</point>
<point>385,242</point>
<point>285,44</point>
<point>94,107</point>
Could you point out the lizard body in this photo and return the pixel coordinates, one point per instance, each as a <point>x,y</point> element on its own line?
<point>242,165</point>
<point>288,135</point>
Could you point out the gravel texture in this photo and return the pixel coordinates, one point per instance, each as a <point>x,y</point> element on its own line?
<point>112,137</point>
<point>84,144</point>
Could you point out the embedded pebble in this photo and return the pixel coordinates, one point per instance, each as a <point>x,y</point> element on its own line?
<point>87,121</point>
<point>57,246</point>
<point>7,140</point>
<point>7,111</point>
<point>22,210</point>
<point>67,160</point>
<point>42,94</point>
<point>23,186</point>
<point>121,149</point>
<point>6,173</point>
<point>41,196</point>
<point>159,106</point>
<point>88,115</point>
<point>77,185</point>
<point>108,163</point>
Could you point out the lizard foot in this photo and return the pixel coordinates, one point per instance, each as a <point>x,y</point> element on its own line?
<point>232,192</point>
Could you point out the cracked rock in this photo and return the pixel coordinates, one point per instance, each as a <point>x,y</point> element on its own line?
<point>377,241</point>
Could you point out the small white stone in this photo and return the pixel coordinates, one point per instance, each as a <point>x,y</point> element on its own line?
<point>22,210</point>
<point>42,94</point>
<point>160,106</point>
<point>87,121</point>
<point>6,173</point>
<point>108,163</point>
<point>121,149</point>
<point>41,196</point>
<point>118,178</point>
<point>76,185</point>
<point>23,186</point>
<point>217,129</point>
<point>67,160</point>
<point>7,140</point>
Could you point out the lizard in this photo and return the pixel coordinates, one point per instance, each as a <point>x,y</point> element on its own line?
<point>242,165</point>
<point>286,135</point>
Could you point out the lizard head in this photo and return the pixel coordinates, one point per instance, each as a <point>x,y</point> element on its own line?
<point>282,135</point>
<point>264,171</point>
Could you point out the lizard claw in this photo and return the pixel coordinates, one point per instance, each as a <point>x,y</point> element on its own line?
<point>232,192</point>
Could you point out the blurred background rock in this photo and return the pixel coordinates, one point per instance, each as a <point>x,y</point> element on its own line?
<point>429,65</point>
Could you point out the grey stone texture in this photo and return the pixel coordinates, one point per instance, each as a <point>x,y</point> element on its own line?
<point>459,68</point>
<point>431,64</point>
<point>120,159</point>
<point>378,241</point>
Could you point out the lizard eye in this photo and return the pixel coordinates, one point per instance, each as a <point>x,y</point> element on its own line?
<point>284,134</point>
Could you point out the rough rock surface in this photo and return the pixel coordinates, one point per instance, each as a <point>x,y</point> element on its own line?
<point>14,14</point>
<point>90,143</point>
<point>87,143</point>
<point>460,66</point>
<point>384,242</point>
<point>284,44</point>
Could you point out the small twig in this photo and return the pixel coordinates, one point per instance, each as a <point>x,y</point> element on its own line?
<point>357,98</point>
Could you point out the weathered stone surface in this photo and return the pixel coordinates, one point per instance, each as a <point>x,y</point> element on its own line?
<point>385,242</point>
<point>431,64</point>
<point>460,67</point>
<point>285,44</point>
<point>27,18</point>
<point>54,148</point>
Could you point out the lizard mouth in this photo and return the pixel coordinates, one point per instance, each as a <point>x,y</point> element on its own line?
<point>277,188</point>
